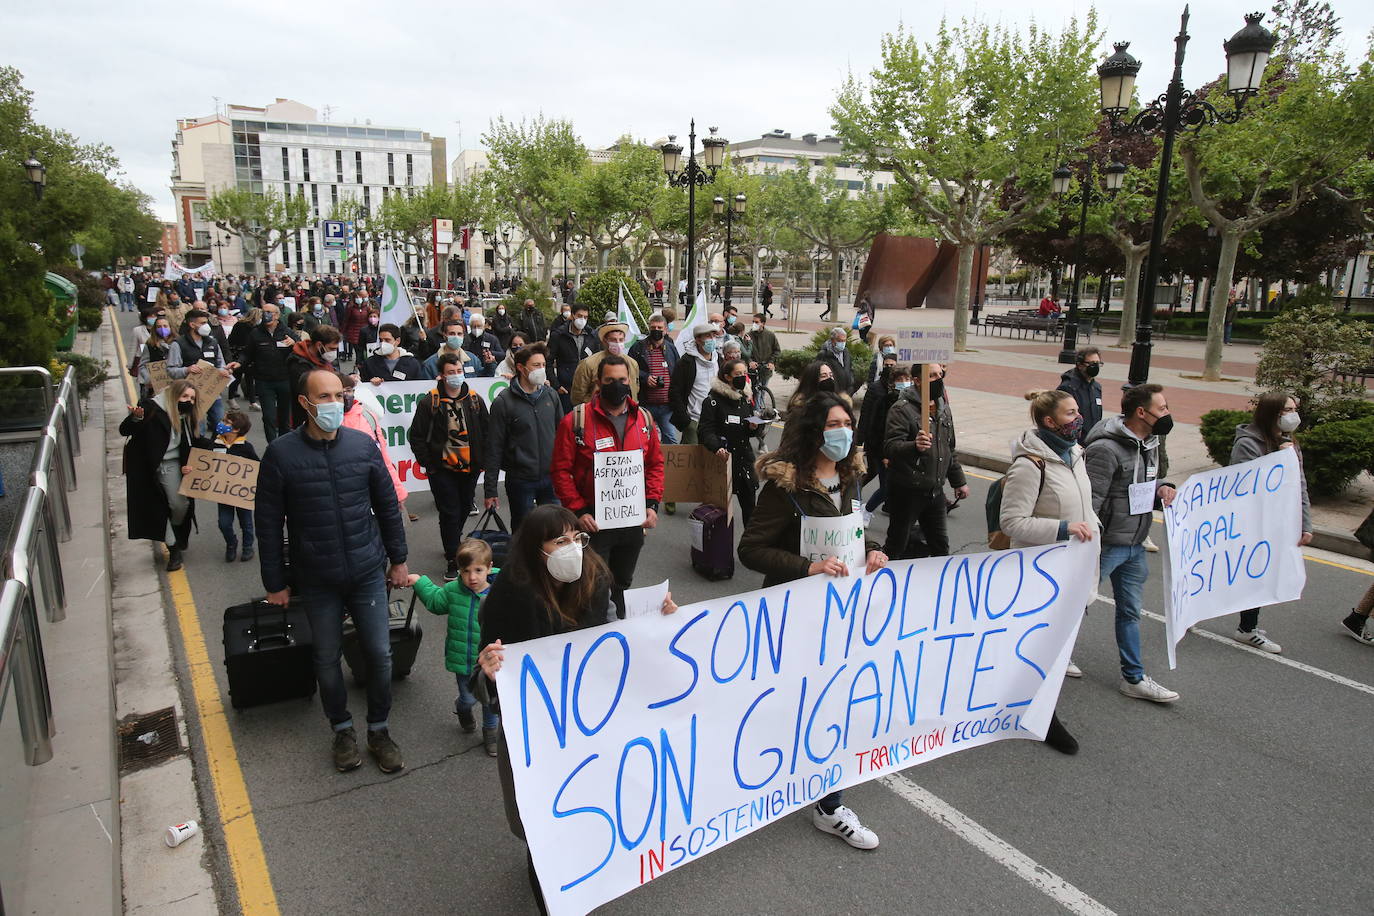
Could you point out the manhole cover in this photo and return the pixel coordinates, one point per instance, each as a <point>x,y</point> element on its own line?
<point>148,740</point>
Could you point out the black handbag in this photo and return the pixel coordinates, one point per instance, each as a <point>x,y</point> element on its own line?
<point>498,538</point>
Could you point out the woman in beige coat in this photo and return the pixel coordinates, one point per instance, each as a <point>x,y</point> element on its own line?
<point>1047,496</point>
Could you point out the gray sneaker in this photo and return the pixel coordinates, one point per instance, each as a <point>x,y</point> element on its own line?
<point>346,756</point>
<point>384,750</point>
<point>1147,689</point>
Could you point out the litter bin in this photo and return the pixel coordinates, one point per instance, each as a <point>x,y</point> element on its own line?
<point>64,291</point>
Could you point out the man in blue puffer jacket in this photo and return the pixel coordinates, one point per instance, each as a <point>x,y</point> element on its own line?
<point>329,488</point>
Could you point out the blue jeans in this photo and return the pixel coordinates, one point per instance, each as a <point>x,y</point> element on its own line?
<point>126,302</point>
<point>213,416</point>
<point>523,494</point>
<point>226,525</point>
<point>879,495</point>
<point>466,701</point>
<point>364,601</point>
<point>1126,566</point>
<point>663,416</point>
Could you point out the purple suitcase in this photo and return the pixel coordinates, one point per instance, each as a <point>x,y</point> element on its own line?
<point>716,558</point>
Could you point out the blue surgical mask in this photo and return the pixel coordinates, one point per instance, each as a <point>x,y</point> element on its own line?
<point>453,382</point>
<point>889,351</point>
<point>903,386</point>
<point>329,417</point>
<point>150,321</point>
<point>837,443</point>
<point>455,341</point>
<point>708,346</point>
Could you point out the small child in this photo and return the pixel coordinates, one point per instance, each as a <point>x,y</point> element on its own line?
<point>232,439</point>
<point>460,600</point>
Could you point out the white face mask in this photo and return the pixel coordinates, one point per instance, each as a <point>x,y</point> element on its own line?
<point>579,323</point>
<point>386,349</point>
<point>615,348</point>
<point>330,355</point>
<point>538,377</point>
<point>1290,421</point>
<point>565,563</point>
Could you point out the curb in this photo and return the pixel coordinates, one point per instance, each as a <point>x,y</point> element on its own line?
<point>1323,538</point>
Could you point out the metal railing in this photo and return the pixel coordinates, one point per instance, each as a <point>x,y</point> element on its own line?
<point>33,581</point>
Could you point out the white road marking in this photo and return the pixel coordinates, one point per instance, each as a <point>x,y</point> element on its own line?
<point>1267,656</point>
<point>996,848</point>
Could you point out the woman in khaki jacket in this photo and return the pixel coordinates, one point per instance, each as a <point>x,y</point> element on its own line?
<point>1047,496</point>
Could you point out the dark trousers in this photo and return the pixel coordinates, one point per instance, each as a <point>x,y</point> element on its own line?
<point>1249,620</point>
<point>275,398</point>
<point>619,547</point>
<point>453,493</point>
<point>226,525</point>
<point>522,495</point>
<point>906,506</point>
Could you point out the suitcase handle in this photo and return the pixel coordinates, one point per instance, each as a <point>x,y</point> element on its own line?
<point>482,519</point>
<point>274,641</point>
<point>410,614</point>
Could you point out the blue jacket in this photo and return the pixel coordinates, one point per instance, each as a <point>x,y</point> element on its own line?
<point>337,503</point>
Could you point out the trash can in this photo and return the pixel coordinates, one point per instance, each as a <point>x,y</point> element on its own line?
<point>64,291</point>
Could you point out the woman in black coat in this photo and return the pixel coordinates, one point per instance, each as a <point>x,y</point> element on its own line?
<point>161,431</point>
<point>724,428</point>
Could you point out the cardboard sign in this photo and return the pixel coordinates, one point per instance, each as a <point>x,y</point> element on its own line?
<point>157,375</point>
<point>695,474</point>
<point>209,383</point>
<point>619,481</point>
<point>220,478</point>
<point>641,745</point>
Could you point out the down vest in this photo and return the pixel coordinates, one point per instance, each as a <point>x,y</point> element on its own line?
<point>460,605</point>
<point>335,499</point>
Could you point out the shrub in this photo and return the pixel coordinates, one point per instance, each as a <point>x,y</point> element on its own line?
<point>1219,432</point>
<point>600,293</point>
<point>790,363</point>
<point>89,372</point>
<point>89,319</point>
<point>1334,454</point>
<point>1306,349</point>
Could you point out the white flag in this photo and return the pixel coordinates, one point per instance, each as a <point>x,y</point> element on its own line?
<point>626,315</point>
<point>396,307</point>
<point>685,341</point>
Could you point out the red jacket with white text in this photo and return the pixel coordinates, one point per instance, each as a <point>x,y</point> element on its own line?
<point>572,454</point>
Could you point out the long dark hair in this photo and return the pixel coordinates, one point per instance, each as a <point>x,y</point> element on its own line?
<point>808,384</point>
<point>804,434</point>
<point>1268,408</point>
<point>569,601</point>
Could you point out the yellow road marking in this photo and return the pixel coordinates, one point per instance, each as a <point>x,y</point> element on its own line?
<point>241,838</point>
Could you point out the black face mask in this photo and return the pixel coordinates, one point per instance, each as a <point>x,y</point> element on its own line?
<point>739,382</point>
<point>615,393</point>
<point>1091,369</point>
<point>1163,425</point>
<point>937,389</point>
<point>185,406</point>
<point>655,334</point>
<point>826,384</point>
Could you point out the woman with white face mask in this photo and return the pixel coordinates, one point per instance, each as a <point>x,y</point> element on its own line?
<point>1271,429</point>
<point>550,584</point>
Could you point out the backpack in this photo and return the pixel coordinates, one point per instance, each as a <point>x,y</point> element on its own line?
<point>997,538</point>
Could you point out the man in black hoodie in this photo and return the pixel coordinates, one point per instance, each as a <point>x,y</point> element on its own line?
<point>524,419</point>
<point>1081,382</point>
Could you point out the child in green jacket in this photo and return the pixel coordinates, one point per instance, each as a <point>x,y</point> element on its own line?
<point>460,600</point>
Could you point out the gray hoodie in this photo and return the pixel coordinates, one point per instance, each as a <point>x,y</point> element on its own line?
<point>1251,444</point>
<point>1117,458</point>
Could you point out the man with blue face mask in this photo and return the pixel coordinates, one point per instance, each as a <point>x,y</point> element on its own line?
<point>329,490</point>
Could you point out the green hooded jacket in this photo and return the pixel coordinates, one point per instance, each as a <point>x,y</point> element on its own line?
<point>459,603</point>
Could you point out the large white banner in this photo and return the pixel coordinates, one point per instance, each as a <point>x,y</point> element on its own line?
<point>1233,542</point>
<point>395,403</point>
<point>644,744</point>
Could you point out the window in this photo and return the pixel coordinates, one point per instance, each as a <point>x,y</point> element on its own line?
<point>198,211</point>
<point>338,165</point>
<point>367,198</point>
<point>202,238</point>
<point>358,166</point>
<point>315,198</point>
<point>776,159</point>
<point>300,262</point>
<point>410,169</point>
<point>300,190</point>
<point>390,168</point>
<point>285,165</point>
<point>286,255</point>
<point>305,164</point>
<point>310,244</point>
<point>334,194</point>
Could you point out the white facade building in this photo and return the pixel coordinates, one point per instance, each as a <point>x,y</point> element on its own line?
<point>777,150</point>
<point>284,147</point>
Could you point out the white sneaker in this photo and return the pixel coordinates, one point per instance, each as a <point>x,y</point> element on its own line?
<point>1258,639</point>
<point>1150,546</point>
<point>845,824</point>
<point>1147,689</point>
<point>1073,670</point>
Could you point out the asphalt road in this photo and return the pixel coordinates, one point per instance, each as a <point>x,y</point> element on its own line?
<point>1250,795</point>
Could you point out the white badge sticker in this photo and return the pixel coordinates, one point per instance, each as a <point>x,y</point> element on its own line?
<point>605,442</point>
<point>467,370</point>
<point>1142,497</point>
<point>398,374</point>
<point>284,343</point>
<point>586,351</point>
<point>1099,402</point>
<point>732,418</point>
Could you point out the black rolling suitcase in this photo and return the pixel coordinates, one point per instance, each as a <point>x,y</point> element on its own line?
<point>405,642</point>
<point>715,558</point>
<point>267,653</point>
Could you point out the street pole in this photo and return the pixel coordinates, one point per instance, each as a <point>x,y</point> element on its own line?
<point>729,223</point>
<point>691,174</point>
<point>1067,354</point>
<point>692,213</point>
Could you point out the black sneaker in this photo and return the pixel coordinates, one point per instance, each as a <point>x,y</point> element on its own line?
<point>231,554</point>
<point>384,750</point>
<point>346,756</point>
<point>465,717</point>
<point>451,572</point>
<point>246,555</point>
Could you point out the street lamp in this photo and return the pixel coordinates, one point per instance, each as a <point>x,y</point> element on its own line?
<point>566,227</point>
<point>816,274</point>
<point>691,176</point>
<point>1177,109</point>
<point>1088,194</point>
<point>38,175</point>
<point>733,212</point>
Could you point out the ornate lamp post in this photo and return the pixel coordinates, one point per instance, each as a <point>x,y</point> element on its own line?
<point>1177,109</point>
<point>733,212</point>
<point>38,175</point>
<point>566,228</point>
<point>1115,174</point>
<point>691,176</point>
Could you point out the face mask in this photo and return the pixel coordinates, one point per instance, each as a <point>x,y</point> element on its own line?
<point>500,311</point>
<point>1290,421</point>
<point>477,330</point>
<point>359,300</point>
<point>655,334</point>
<point>826,384</point>
<point>708,346</point>
<point>202,329</point>
<point>889,351</point>
<point>1071,429</point>
<point>615,348</point>
<point>538,377</point>
<point>330,355</point>
<point>902,386</point>
<point>386,349</point>
<point>329,417</point>
<point>566,313</point>
<point>319,309</point>
<point>565,563</point>
<point>164,333</point>
<point>837,443</point>
<point>374,321</point>
<point>1163,425</point>
<point>224,313</point>
<point>151,321</point>
<point>185,406</point>
<point>579,323</point>
<point>223,428</point>
<point>453,382</point>
<point>757,327</point>
<point>615,393</point>
<point>455,341</point>
<point>1091,369</point>
<point>739,382</point>
<point>937,389</point>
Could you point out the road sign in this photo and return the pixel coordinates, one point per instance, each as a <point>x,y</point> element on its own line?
<point>335,235</point>
<point>78,251</point>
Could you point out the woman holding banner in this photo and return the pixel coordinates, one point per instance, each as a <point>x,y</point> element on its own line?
<point>550,584</point>
<point>813,479</point>
<point>1269,430</point>
<point>1048,497</point>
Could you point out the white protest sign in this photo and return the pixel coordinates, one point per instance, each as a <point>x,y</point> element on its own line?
<point>619,481</point>
<point>200,294</point>
<point>1233,542</point>
<point>642,602</point>
<point>643,744</point>
<point>395,403</point>
<point>152,293</point>
<point>841,537</point>
<point>933,343</point>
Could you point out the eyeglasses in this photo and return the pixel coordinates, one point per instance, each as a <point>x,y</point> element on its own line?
<point>581,539</point>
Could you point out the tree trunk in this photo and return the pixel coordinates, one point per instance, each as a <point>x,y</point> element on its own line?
<point>546,251</point>
<point>833,294</point>
<point>1216,317</point>
<point>962,280</point>
<point>1130,295</point>
<point>1197,293</point>
<point>757,282</point>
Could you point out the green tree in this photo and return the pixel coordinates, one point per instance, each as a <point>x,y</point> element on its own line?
<point>262,221</point>
<point>1314,354</point>
<point>611,199</point>
<point>971,126</point>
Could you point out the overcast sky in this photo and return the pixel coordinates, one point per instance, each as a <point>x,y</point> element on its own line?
<point>122,73</point>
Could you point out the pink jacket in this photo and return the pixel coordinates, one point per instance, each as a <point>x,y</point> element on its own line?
<point>361,419</point>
